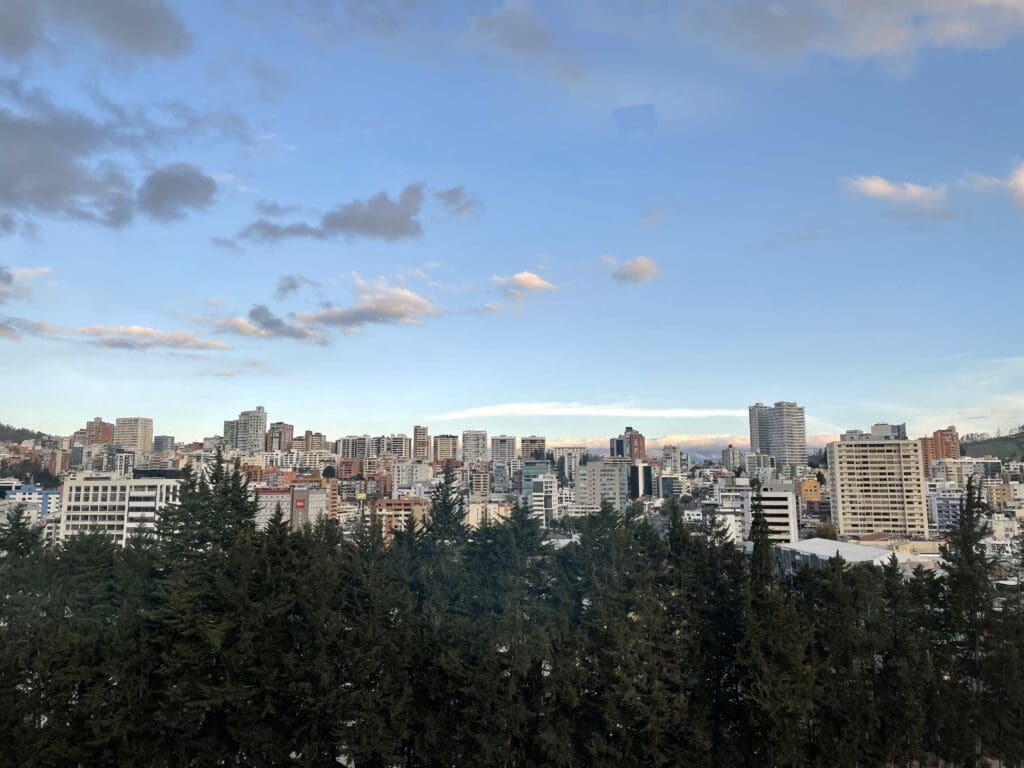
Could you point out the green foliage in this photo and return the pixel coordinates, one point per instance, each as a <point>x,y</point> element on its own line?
<point>826,531</point>
<point>219,644</point>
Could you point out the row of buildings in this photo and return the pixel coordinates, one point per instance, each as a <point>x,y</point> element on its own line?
<point>870,483</point>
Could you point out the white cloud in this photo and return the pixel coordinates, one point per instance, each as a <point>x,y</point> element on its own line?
<point>518,285</point>
<point>588,410</point>
<point>637,270</point>
<point>901,193</point>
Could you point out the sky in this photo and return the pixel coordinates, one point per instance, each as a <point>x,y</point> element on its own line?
<point>555,218</point>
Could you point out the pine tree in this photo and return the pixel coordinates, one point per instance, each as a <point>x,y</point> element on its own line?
<point>966,602</point>
<point>774,679</point>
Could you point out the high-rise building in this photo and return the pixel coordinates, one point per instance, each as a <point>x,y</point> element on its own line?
<point>398,446</point>
<point>134,433</point>
<point>602,480</point>
<point>731,458</point>
<point>310,441</point>
<point>943,444</point>
<point>98,432</point>
<point>877,485</point>
<point>533,447</point>
<point>163,443</point>
<point>674,461</point>
<point>446,447</point>
<point>542,498</point>
<point>503,450</point>
<point>252,430</point>
<point>420,443</point>
<point>230,441</point>
<point>629,445</point>
<point>280,436</point>
<point>641,481</point>
<point>353,447</point>
<point>474,447</point>
<point>570,457</point>
<point>779,431</point>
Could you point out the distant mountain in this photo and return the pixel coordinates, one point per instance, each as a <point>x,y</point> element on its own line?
<point>17,434</point>
<point>1007,447</point>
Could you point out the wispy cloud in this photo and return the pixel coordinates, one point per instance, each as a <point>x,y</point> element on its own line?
<point>901,193</point>
<point>516,29</point>
<point>459,202</point>
<point>129,337</point>
<point>587,410</point>
<point>16,283</point>
<point>377,303</point>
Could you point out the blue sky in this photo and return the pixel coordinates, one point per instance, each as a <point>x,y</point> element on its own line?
<point>551,217</point>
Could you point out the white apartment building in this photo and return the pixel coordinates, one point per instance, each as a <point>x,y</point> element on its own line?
<point>735,496</point>
<point>474,447</point>
<point>134,433</point>
<point>247,433</point>
<point>117,504</point>
<point>605,479</point>
<point>877,485</point>
<point>572,454</point>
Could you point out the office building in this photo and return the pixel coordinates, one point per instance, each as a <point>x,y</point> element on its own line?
<point>532,468</point>
<point>877,485</point>
<point>542,498</point>
<point>885,431</point>
<point>118,504</point>
<point>780,432</point>
<point>474,447</point>
<point>420,443</point>
<point>641,481</point>
<point>163,443</point>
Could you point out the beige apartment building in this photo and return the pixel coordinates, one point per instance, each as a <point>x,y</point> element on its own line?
<point>877,485</point>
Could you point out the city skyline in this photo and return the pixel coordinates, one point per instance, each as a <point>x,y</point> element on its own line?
<point>391,200</point>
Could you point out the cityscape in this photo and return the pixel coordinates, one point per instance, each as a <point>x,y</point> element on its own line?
<point>511,383</point>
<point>877,489</point>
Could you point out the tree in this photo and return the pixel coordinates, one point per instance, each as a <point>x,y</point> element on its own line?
<point>966,604</point>
<point>826,530</point>
<point>774,680</point>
